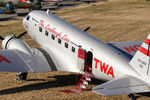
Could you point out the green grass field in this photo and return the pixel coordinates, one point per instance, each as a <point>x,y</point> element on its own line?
<point>112,21</point>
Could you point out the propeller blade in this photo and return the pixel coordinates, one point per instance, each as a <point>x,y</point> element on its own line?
<point>1,38</point>
<point>87,29</point>
<point>22,34</point>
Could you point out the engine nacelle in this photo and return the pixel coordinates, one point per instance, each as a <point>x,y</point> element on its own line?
<point>11,42</point>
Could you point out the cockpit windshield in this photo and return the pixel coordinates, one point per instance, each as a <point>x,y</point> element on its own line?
<point>27,18</point>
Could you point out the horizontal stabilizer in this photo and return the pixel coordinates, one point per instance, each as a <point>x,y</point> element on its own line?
<point>127,48</point>
<point>18,61</point>
<point>124,85</point>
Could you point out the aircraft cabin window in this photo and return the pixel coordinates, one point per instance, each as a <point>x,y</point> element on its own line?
<point>28,17</point>
<point>66,45</point>
<point>40,29</point>
<point>53,36</point>
<point>59,40</point>
<point>46,33</point>
<point>73,49</point>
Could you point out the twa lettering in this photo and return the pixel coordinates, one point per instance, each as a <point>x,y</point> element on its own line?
<point>133,48</point>
<point>104,67</point>
<point>53,30</point>
<point>4,59</point>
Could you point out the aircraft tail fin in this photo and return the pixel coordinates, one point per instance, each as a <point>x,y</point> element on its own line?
<point>141,59</point>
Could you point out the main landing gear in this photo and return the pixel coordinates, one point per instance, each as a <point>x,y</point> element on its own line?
<point>132,97</point>
<point>21,76</point>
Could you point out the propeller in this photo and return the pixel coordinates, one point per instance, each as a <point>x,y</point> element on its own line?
<point>19,36</point>
<point>1,38</point>
<point>22,34</point>
<point>87,29</point>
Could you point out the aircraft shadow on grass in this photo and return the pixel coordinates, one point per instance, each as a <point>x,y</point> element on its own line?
<point>61,81</point>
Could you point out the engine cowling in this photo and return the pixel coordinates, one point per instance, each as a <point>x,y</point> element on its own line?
<point>12,42</point>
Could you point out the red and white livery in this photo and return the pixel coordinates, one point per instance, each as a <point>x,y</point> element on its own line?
<point>124,65</point>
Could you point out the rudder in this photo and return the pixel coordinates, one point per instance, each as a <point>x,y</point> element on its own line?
<point>141,59</point>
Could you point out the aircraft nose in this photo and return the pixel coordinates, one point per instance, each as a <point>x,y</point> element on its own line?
<point>25,23</point>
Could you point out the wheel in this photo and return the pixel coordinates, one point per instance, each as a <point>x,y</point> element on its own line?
<point>132,97</point>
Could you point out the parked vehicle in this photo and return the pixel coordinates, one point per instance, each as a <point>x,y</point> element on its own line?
<point>8,8</point>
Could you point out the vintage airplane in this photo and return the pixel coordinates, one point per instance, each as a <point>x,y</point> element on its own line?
<point>124,65</point>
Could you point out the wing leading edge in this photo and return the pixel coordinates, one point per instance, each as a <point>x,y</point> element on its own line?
<point>18,61</point>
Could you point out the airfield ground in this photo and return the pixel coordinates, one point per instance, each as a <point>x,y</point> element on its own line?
<point>112,21</point>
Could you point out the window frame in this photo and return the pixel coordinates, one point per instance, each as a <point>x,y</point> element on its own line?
<point>53,36</point>
<point>73,49</point>
<point>66,45</point>
<point>46,33</point>
<point>59,40</point>
<point>40,29</point>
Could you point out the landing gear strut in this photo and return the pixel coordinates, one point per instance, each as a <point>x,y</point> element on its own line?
<point>21,76</point>
<point>132,97</point>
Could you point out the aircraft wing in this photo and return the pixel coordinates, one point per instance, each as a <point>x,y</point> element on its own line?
<point>127,48</point>
<point>18,61</point>
<point>124,85</point>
